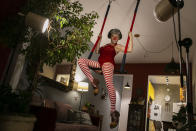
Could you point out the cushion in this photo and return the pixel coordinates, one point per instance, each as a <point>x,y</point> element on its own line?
<point>72,117</point>
<point>62,111</point>
<point>79,117</point>
<point>86,118</point>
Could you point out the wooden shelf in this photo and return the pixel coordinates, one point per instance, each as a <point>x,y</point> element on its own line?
<point>44,81</point>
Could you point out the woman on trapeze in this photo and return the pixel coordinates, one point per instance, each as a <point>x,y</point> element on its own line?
<point>106,63</point>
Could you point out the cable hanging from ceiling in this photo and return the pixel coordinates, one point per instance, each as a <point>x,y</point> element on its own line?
<point>174,26</point>
<point>175,36</point>
<point>149,51</point>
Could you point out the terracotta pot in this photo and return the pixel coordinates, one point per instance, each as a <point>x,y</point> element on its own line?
<point>16,123</point>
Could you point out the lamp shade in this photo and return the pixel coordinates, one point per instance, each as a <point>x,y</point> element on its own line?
<point>127,86</point>
<point>166,8</point>
<point>82,86</point>
<point>37,22</point>
<point>172,67</point>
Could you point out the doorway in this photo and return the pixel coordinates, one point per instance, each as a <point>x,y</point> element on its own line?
<point>164,99</point>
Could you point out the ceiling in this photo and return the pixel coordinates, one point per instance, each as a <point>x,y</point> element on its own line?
<point>154,37</point>
<point>155,42</point>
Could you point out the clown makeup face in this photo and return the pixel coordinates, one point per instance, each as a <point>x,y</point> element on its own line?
<point>114,38</point>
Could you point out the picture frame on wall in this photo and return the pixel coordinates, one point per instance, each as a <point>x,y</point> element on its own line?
<point>63,78</point>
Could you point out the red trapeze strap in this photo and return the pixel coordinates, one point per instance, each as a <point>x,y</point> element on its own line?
<point>105,18</point>
<point>128,39</point>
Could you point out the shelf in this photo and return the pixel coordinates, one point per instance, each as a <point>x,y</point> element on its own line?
<point>44,81</point>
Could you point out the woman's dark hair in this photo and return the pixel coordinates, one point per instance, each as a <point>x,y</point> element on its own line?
<point>115,31</point>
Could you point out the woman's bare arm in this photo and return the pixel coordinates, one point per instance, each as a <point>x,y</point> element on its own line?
<point>130,46</point>
<point>121,48</point>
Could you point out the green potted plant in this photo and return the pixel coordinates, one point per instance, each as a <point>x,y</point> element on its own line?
<point>180,119</point>
<point>89,108</point>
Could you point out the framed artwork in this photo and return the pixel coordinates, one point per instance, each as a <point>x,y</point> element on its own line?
<point>63,78</point>
<point>65,74</point>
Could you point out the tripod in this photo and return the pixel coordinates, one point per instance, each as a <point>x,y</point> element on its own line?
<point>186,43</point>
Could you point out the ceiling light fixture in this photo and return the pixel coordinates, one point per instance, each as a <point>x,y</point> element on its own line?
<point>167,80</point>
<point>172,67</point>
<point>166,8</point>
<point>37,22</point>
<point>127,86</point>
<point>137,35</point>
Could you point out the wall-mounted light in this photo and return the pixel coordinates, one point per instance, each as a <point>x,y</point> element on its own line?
<point>127,86</point>
<point>35,21</point>
<point>166,8</point>
<point>82,86</point>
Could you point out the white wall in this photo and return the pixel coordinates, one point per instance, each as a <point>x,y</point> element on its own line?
<point>125,101</point>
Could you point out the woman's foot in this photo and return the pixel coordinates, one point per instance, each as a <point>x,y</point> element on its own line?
<point>96,86</point>
<point>114,119</point>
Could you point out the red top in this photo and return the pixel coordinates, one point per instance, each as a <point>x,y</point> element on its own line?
<point>107,54</point>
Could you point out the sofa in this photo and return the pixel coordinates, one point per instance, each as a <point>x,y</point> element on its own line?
<point>64,118</point>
